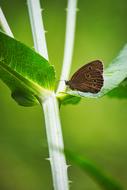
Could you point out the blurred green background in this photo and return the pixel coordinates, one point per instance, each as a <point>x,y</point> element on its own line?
<point>96,129</point>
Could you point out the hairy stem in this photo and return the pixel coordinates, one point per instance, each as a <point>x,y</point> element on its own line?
<point>50,106</point>
<point>69,44</point>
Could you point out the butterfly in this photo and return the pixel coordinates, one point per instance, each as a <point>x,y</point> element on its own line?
<point>88,78</point>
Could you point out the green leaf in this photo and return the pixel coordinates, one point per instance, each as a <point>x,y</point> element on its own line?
<point>120,91</point>
<point>68,99</point>
<point>100,177</point>
<point>27,74</point>
<point>114,75</point>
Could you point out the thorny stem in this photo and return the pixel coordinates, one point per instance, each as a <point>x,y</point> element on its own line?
<point>4,25</point>
<point>37,26</point>
<point>50,106</point>
<point>55,143</point>
<point>69,43</point>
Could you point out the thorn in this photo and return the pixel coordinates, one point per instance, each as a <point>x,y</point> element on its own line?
<point>70,181</point>
<point>77,9</point>
<point>68,166</point>
<point>48,159</point>
<point>42,9</point>
<point>46,31</point>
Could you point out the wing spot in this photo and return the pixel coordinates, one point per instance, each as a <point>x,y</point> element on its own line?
<point>88,75</point>
<point>90,68</point>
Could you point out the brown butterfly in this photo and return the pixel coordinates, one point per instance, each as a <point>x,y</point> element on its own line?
<point>88,78</point>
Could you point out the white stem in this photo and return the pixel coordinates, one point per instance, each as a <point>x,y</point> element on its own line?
<point>4,24</point>
<point>69,43</point>
<point>37,27</point>
<point>55,143</point>
<point>50,106</point>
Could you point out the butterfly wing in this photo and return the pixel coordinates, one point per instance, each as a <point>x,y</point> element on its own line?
<point>92,84</point>
<point>88,78</point>
<point>92,66</point>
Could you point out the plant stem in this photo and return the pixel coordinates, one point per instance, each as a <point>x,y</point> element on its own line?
<point>55,143</point>
<point>4,24</point>
<point>50,106</point>
<point>69,43</point>
<point>37,26</point>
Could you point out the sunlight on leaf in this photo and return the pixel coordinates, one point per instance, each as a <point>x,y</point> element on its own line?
<point>26,73</point>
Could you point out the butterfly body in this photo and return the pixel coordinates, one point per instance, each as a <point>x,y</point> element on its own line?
<point>88,78</point>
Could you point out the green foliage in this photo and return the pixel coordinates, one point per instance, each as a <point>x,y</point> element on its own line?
<point>120,91</point>
<point>68,99</point>
<point>115,84</point>
<point>26,73</point>
<point>100,177</point>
